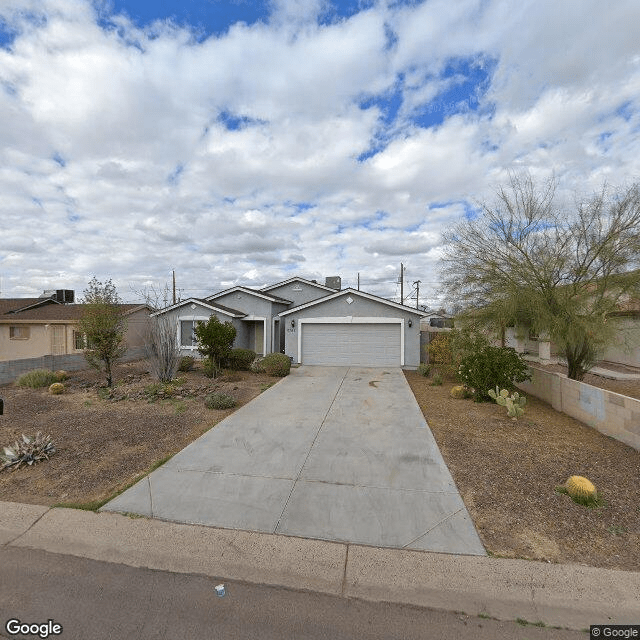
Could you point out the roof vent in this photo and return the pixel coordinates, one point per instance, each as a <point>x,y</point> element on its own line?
<point>333,282</point>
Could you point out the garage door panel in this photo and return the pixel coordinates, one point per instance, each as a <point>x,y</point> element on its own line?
<point>351,344</point>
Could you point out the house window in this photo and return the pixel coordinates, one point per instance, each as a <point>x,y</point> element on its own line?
<point>79,340</point>
<point>187,333</point>
<point>21,332</point>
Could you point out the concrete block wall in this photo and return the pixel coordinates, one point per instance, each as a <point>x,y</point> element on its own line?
<point>12,369</point>
<point>610,413</point>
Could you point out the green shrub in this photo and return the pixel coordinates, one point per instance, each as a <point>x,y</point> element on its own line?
<point>37,378</point>
<point>276,364</point>
<point>437,379</point>
<point>491,366</point>
<point>424,369</point>
<point>240,359</point>
<point>209,368</point>
<point>219,401</point>
<point>186,363</point>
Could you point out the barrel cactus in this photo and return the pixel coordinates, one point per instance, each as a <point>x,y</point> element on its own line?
<point>581,490</point>
<point>458,392</point>
<point>513,403</point>
<point>61,375</point>
<point>56,388</point>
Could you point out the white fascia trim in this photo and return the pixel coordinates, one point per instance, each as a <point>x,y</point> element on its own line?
<point>351,320</point>
<point>290,280</point>
<point>250,292</point>
<point>198,303</point>
<point>362,294</point>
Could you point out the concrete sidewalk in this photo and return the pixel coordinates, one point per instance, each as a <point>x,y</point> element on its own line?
<point>569,596</point>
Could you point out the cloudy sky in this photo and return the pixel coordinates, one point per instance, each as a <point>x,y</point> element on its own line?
<point>247,141</point>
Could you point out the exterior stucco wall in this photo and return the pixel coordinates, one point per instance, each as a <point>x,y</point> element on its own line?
<point>360,307</point>
<point>626,349</point>
<point>38,343</point>
<point>198,312</point>
<point>299,293</point>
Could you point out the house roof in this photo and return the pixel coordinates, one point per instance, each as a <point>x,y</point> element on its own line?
<point>255,292</point>
<point>8,305</point>
<point>214,306</point>
<point>296,279</point>
<point>354,292</point>
<point>56,312</point>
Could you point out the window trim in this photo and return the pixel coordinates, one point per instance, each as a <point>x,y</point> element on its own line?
<point>21,327</point>
<point>190,318</point>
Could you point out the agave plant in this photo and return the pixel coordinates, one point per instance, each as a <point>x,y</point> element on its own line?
<point>27,451</point>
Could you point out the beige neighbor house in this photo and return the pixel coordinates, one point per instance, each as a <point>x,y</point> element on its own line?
<point>43,332</point>
<point>624,350</point>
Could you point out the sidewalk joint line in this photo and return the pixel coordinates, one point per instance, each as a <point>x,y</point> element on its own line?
<point>293,486</point>
<point>150,496</point>
<point>435,526</point>
<point>344,575</point>
<point>33,524</point>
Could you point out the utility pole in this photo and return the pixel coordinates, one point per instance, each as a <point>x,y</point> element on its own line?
<point>174,286</point>
<point>417,286</point>
<point>401,283</point>
<point>358,281</point>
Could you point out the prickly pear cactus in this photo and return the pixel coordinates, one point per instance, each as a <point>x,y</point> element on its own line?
<point>56,388</point>
<point>513,403</point>
<point>581,489</point>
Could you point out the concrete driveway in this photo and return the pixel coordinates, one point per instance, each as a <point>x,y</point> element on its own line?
<point>334,453</point>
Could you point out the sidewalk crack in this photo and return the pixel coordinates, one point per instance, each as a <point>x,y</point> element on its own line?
<point>33,524</point>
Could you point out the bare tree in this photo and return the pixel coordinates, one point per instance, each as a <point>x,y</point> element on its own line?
<point>561,272</point>
<point>161,337</point>
<point>103,326</point>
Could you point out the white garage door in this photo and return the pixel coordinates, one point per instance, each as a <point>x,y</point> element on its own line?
<point>364,345</point>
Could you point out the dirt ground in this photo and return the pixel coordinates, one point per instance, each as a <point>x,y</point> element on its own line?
<point>507,473</point>
<point>104,441</point>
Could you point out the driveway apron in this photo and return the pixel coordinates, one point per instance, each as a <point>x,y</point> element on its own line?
<point>334,453</point>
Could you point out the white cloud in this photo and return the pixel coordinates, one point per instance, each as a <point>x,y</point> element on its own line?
<point>127,151</point>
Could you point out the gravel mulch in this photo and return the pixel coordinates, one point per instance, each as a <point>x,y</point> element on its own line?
<point>507,473</point>
<point>107,439</point>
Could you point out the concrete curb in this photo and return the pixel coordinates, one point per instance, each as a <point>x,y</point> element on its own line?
<point>564,595</point>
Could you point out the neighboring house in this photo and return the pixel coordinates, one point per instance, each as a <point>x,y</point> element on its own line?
<point>310,322</point>
<point>36,327</point>
<point>625,349</point>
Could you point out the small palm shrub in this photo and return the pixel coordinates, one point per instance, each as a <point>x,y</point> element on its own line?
<point>56,389</point>
<point>27,451</point>
<point>219,401</point>
<point>240,359</point>
<point>186,363</point>
<point>37,379</point>
<point>424,369</point>
<point>209,368</point>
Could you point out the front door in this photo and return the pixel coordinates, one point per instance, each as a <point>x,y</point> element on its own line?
<point>259,338</point>
<point>57,340</point>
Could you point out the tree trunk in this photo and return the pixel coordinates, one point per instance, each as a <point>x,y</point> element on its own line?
<point>107,368</point>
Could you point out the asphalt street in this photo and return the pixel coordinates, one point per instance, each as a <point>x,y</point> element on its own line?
<point>93,600</point>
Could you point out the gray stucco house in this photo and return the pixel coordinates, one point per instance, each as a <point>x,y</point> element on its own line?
<point>310,322</point>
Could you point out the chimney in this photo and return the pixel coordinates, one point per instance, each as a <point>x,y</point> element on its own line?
<point>334,282</point>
